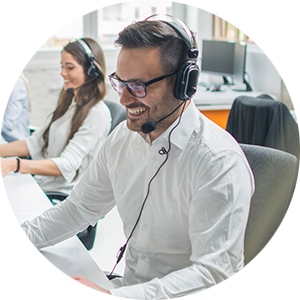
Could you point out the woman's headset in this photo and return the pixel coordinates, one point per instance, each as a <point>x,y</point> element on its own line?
<point>93,71</point>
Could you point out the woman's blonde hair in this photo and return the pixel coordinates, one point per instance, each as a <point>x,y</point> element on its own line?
<point>9,60</point>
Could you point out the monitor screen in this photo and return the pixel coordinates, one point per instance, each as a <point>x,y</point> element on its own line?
<point>224,58</point>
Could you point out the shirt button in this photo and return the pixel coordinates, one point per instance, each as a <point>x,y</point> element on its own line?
<point>145,226</point>
<point>143,256</point>
<point>154,158</point>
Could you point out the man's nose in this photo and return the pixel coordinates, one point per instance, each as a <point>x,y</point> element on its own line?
<point>125,97</point>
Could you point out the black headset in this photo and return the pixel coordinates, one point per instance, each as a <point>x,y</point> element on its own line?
<point>93,70</point>
<point>188,72</point>
<point>185,87</point>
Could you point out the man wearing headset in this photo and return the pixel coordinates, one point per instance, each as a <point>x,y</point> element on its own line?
<point>182,184</point>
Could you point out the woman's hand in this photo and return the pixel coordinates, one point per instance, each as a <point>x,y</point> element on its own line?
<point>76,287</point>
<point>8,165</point>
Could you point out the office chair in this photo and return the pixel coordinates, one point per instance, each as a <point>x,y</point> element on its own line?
<point>266,122</point>
<point>118,113</point>
<point>87,236</point>
<point>275,174</point>
<point>21,56</point>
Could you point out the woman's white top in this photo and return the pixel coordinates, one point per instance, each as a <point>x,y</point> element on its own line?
<point>79,152</point>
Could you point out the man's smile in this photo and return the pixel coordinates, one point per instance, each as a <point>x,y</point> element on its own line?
<point>136,111</point>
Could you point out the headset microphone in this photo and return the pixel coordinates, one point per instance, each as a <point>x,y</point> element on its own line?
<point>149,126</point>
<point>185,87</point>
<point>71,90</point>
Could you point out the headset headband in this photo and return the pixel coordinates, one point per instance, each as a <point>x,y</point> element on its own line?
<point>181,29</point>
<point>95,68</point>
<point>86,49</point>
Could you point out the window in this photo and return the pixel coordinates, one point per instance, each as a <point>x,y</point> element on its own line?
<point>51,24</point>
<point>137,13</point>
<point>114,15</point>
<point>45,24</point>
<point>153,10</point>
<point>112,12</point>
<point>248,20</point>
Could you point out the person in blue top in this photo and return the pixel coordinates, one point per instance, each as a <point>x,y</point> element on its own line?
<point>14,99</point>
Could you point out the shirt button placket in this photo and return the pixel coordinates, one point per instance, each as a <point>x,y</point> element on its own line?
<point>143,235</point>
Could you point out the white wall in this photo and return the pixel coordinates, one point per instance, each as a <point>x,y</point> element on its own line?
<point>205,28</point>
<point>290,91</point>
<point>42,73</point>
<point>45,82</point>
<point>263,75</point>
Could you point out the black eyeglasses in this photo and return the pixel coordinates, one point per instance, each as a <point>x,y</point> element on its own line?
<point>137,89</point>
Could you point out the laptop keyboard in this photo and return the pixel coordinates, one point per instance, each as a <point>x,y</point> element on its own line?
<point>14,287</point>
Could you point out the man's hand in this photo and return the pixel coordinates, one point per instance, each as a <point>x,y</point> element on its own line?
<point>76,287</point>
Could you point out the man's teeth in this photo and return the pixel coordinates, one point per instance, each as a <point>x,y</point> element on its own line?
<point>136,111</point>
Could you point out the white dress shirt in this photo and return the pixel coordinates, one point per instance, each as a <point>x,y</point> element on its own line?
<point>80,151</point>
<point>16,116</point>
<point>191,232</point>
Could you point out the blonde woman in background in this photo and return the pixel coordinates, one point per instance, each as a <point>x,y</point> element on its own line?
<point>14,100</point>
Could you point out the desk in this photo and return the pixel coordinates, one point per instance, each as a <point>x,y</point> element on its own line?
<point>28,196</point>
<point>70,256</point>
<point>216,105</point>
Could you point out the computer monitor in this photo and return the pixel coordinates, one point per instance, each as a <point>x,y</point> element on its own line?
<point>225,59</point>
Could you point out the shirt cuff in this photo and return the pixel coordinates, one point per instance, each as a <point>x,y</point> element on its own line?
<point>13,243</point>
<point>68,175</point>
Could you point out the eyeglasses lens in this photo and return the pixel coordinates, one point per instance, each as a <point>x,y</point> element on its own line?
<point>116,84</point>
<point>136,89</point>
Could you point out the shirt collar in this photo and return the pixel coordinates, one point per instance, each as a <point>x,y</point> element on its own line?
<point>181,134</point>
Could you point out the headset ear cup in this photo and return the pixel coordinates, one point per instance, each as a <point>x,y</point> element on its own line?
<point>186,80</point>
<point>93,71</point>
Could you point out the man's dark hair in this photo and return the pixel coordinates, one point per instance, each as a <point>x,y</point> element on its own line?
<point>156,34</point>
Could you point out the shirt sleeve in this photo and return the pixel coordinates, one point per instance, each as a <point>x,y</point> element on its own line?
<point>56,224</point>
<point>217,222</point>
<point>81,209</point>
<point>93,131</point>
<point>15,92</point>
